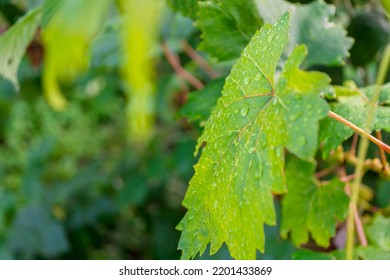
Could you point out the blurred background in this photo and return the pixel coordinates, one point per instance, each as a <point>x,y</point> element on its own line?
<point>91,181</point>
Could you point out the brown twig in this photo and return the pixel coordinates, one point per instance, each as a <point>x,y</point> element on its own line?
<point>376,141</point>
<point>347,178</point>
<point>355,139</point>
<point>174,61</point>
<point>382,153</point>
<point>325,171</point>
<point>358,223</point>
<point>195,56</point>
<point>360,229</point>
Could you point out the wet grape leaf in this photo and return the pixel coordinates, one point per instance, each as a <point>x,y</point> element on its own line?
<point>14,43</point>
<point>384,98</point>
<point>352,104</point>
<point>332,132</point>
<point>230,196</point>
<point>309,207</point>
<point>311,25</point>
<point>227,26</point>
<point>382,118</point>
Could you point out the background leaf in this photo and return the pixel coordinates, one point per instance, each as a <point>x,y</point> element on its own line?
<point>14,43</point>
<point>226,26</point>
<point>326,41</point>
<point>69,24</point>
<point>187,8</point>
<point>200,103</point>
<point>378,232</point>
<point>310,208</point>
<point>352,105</point>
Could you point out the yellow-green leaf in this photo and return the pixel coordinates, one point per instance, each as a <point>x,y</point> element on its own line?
<point>76,22</point>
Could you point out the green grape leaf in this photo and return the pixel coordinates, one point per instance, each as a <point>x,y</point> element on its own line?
<point>382,118</point>
<point>14,43</point>
<point>200,103</point>
<point>378,232</point>
<point>230,196</point>
<point>226,26</point>
<point>384,98</point>
<point>372,253</point>
<point>332,132</point>
<point>326,41</point>
<point>188,8</point>
<point>310,255</point>
<point>352,105</point>
<point>310,207</point>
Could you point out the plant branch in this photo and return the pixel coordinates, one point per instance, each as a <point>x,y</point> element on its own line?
<point>195,56</point>
<point>362,152</point>
<point>382,153</point>
<point>325,171</point>
<point>174,61</point>
<point>355,139</point>
<point>360,229</point>
<point>362,132</point>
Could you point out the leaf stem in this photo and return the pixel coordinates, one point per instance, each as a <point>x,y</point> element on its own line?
<point>362,152</point>
<point>362,132</point>
<point>195,56</point>
<point>174,60</point>
<point>358,222</point>
<point>382,153</point>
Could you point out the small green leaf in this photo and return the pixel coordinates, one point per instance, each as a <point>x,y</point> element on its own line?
<point>326,41</point>
<point>310,208</point>
<point>382,118</point>
<point>230,196</point>
<point>384,98</point>
<point>332,132</point>
<point>372,253</point>
<point>378,232</point>
<point>14,43</point>
<point>310,255</point>
<point>199,104</point>
<point>227,26</point>
<point>352,105</point>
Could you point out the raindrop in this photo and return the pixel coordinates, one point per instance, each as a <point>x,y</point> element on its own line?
<point>295,115</point>
<point>244,110</point>
<point>302,140</point>
<point>258,77</point>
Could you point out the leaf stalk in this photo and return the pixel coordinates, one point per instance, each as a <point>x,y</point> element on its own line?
<point>362,153</point>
